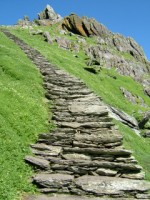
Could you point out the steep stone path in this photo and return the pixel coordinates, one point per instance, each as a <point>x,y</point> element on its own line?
<point>84,155</point>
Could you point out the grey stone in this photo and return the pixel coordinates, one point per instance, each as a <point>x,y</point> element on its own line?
<point>53,180</point>
<point>143,196</point>
<point>124,117</point>
<point>36,32</point>
<point>46,150</point>
<point>139,176</point>
<point>38,162</point>
<point>47,37</point>
<point>78,107</point>
<point>99,151</point>
<point>106,172</point>
<point>49,14</point>
<point>63,43</point>
<point>98,138</point>
<point>68,197</point>
<point>145,119</point>
<point>110,185</point>
<point>76,156</point>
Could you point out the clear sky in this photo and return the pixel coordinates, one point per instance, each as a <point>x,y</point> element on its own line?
<point>128,17</point>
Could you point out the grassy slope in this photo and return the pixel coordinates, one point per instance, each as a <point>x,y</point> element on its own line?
<point>23,114</point>
<point>103,84</point>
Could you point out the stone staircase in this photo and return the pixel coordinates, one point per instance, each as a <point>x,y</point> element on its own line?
<point>83,157</point>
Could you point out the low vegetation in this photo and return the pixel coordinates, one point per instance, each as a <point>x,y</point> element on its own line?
<point>23,114</point>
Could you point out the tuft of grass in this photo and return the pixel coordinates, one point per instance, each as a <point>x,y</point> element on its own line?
<point>23,115</point>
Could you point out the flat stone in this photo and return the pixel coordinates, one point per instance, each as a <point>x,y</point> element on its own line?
<point>143,196</point>
<point>99,151</point>
<point>81,108</point>
<point>139,176</point>
<point>98,138</point>
<point>42,147</point>
<point>110,185</point>
<point>76,125</point>
<point>53,180</point>
<point>38,162</point>
<point>76,156</point>
<point>67,197</point>
<point>106,172</point>
<point>46,150</point>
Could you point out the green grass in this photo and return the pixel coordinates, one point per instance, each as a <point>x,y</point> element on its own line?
<point>139,146</point>
<point>103,84</point>
<point>23,115</point>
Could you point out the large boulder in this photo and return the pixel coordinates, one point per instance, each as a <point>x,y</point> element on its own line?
<point>49,14</point>
<point>84,26</point>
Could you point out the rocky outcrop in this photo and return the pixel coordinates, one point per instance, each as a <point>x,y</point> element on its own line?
<point>48,16</point>
<point>49,13</point>
<point>144,120</point>
<point>83,26</point>
<point>134,99</point>
<point>125,63</point>
<point>85,144</point>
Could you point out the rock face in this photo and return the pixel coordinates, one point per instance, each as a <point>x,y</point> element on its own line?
<point>48,16</point>
<point>83,26</point>
<point>111,50</point>
<point>85,144</point>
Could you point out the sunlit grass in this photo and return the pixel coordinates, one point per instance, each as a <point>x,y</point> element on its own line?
<point>23,115</point>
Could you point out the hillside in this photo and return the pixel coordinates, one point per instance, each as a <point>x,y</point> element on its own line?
<point>112,66</point>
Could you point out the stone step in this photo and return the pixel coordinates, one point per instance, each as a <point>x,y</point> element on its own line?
<point>80,164</point>
<point>89,125</point>
<point>100,186</point>
<point>73,197</point>
<point>105,162</point>
<point>81,119</point>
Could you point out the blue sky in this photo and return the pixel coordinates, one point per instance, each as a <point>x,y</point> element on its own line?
<point>128,17</point>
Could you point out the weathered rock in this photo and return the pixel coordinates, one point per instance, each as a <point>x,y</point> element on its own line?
<point>47,37</point>
<point>72,197</point>
<point>145,119</point>
<point>99,151</point>
<point>130,62</point>
<point>143,196</point>
<point>147,91</point>
<point>133,98</point>
<point>80,108</point>
<point>76,156</point>
<point>36,32</point>
<point>38,162</point>
<point>106,172</point>
<point>49,14</point>
<point>134,176</point>
<point>147,134</point>
<point>53,180</point>
<point>83,26</point>
<point>63,43</point>
<point>46,150</point>
<point>110,186</point>
<point>98,138</point>
<point>124,117</point>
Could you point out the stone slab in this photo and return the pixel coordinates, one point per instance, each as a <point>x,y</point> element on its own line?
<point>110,185</point>
<point>68,197</point>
